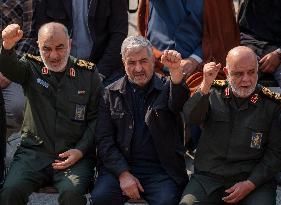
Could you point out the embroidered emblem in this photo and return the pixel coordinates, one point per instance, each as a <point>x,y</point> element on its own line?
<point>256,140</point>
<point>220,83</point>
<point>45,71</point>
<point>267,92</point>
<point>81,92</point>
<point>254,98</point>
<point>32,57</point>
<point>85,64</point>
<point>80,112</point>
<point>72,72</point>
<point>42,82</point>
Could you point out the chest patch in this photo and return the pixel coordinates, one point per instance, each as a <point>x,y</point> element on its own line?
<point>42,82</point>
<point>80,111</point>
<point>256,140</point>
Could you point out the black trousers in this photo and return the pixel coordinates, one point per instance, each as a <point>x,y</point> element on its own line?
<point>159,189</point>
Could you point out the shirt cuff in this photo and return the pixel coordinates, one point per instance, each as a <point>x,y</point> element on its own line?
<point>196,57</point>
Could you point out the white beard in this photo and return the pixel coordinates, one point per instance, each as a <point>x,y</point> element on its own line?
<point>241,93</point>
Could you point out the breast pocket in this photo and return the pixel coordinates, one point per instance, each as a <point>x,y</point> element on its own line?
<point>78,108</point>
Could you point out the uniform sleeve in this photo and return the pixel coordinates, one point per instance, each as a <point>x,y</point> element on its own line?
<point>118,31</point>
<point>195,109</point>
<point>270,164</point>
<point>12,68</point>
<point>108,152</point>
<point>179,93</point>
<point>87,141</point>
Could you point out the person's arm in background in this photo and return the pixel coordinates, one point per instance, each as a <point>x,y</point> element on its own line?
<point>28,43</point>
<point>118,29</point>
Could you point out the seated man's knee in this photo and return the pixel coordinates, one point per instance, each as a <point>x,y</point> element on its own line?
<point>168,199</point>
<point>69,197</point>
<point>12,195</point>
<point>104,198</point>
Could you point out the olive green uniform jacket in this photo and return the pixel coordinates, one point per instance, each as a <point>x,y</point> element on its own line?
<point>59,115</point>
<point>236,140</point>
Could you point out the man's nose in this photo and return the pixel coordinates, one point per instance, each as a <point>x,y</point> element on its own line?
<point>138,67</point>
<point>245,77</point>
<point>53,54</point>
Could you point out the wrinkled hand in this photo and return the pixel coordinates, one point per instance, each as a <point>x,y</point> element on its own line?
<point>238,191</point>
<point>130,185</point>
<point>270,62</point>
<point>4,82</point>
<point>11,35</point>
<point>210,72</point>
<point>189,65</point>
<point>69,157</point>
<point>172,60</point>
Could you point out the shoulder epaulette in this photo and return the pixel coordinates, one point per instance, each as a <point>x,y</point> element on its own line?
<point>220,83</point>
<point>272,95</point>
<point>32,57</point>
<point>85,64</point>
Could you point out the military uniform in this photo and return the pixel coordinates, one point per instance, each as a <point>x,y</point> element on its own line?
<point>241,140</point>
<point>60,114</point>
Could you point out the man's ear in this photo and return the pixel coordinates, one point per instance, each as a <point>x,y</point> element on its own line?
<point>225,70</point>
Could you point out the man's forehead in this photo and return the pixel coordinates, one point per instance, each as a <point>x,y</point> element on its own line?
<point>52,40</point>
<point>137,54</point>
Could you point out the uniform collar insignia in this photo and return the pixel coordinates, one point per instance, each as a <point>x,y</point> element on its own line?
<point>227,92</point>
<point>72,73</point>
<point>254,98</point>
<point>45,71</point>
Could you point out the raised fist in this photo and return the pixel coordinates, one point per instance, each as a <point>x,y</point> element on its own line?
<point>210,72</point>
<point>171,59</point>
<point>11,35</point>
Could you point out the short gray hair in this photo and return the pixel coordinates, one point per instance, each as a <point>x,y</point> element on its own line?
<point>135,43</point>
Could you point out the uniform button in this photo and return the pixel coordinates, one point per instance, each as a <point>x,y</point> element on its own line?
<point>127,149</point>
<point>130,127</point>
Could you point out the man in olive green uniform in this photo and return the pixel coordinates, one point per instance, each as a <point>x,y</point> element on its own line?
<point>239,151</point>
<point>59,121</point>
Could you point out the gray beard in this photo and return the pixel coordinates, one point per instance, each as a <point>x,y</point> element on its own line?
<point>241,93</point>
<point>63,64</point>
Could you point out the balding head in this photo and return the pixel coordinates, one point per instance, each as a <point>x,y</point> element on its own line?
<point>241,55</point>
<point>241,71</point>
<point>54,46</point>
<point>52,29</point>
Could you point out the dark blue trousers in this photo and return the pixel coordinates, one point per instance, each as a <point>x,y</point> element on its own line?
<point>159,189</point>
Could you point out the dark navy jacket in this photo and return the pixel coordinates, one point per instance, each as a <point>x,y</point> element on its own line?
<point>115,127</point>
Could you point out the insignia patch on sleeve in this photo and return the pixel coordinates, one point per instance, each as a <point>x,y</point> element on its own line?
<point>80,111</point>
<point>256,140</point>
